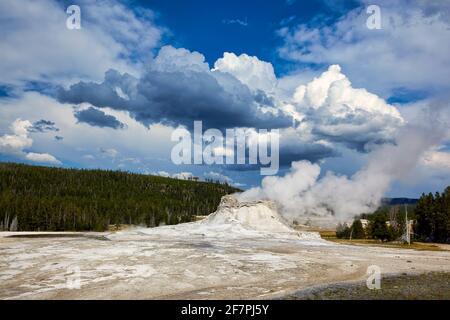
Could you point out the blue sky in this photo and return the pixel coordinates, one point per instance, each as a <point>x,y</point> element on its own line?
<point>212,27</point>
<point>112,92</point>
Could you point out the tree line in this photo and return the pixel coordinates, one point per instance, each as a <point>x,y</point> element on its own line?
<point>430,216</point>
<point>34,198</point>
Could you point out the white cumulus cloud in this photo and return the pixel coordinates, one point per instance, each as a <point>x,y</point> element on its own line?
<point>337,111</point>
<point>36,45</point>
<point>411,50</point>
<point>15,144</point>
<point>256,74</point>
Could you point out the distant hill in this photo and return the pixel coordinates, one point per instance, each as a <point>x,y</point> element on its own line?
<point>41,198</point>
<point>397,201</point>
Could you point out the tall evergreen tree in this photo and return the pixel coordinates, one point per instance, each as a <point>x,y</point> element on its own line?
<point>433,217</point>
<point>379,229</point>
<point>357,230</point>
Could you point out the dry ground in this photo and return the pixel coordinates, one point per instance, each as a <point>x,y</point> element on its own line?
<point>170,264</point>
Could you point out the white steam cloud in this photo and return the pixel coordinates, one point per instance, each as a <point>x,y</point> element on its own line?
<point>302,193</point>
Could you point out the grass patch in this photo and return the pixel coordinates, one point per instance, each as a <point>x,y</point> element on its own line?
<point>428,286</point>
<point>331,236</point>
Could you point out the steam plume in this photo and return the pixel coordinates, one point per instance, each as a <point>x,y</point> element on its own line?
<point>302,193</point>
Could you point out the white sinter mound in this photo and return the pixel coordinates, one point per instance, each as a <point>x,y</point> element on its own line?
<point>255,215</point>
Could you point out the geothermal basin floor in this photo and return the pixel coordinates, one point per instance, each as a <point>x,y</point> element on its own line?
<point>190,261</point>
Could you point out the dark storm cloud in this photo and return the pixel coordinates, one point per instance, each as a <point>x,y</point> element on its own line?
<point>359,130</point>
<point>178,88</point>
<point>311,151</point>
<point>290,151</point>
<point>43,126</point>
<point>98,118</point>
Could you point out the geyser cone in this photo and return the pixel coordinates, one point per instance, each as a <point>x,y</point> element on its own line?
<point>253,215</point>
